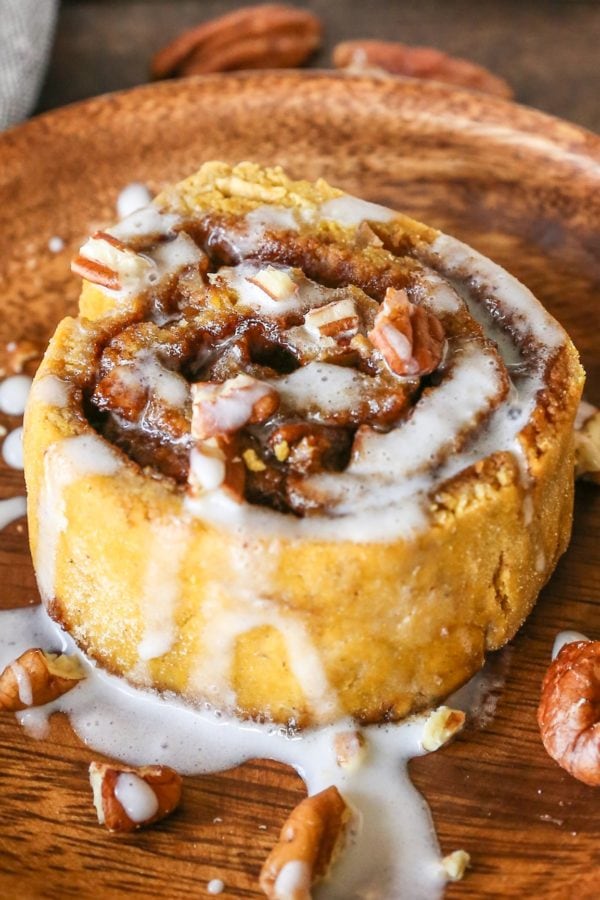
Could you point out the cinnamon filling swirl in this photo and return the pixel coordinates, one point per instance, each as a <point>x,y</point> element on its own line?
<point>356,339</point>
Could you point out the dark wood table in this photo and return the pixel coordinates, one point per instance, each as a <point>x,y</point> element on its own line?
<point>547,49</point>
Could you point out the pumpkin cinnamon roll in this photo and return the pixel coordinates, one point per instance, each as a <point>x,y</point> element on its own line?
<point>299,456</point>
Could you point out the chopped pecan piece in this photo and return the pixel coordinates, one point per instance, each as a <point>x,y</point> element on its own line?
<point>350,749</point>
<point>456,864</point>
<point>338,320</point>
<point>409,337</point>
<point>274,282</point>
<point>106,261</point>
<point>126,798</point>
<point>441,726</point>
<point>227,407</point>
<point>309,842</point>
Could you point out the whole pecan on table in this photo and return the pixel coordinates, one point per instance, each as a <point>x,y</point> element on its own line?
<point>418,62</point>
<point>267,36</point>
<point>569,710</point>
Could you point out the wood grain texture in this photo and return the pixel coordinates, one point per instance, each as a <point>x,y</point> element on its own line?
<point>521,187</point>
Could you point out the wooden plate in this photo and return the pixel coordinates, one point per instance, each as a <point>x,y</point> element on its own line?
<point>516,184</point>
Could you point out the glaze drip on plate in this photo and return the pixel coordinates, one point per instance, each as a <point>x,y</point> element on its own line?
<point>392,850</point>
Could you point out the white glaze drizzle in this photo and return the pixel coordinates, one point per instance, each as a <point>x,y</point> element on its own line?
<point>149,220</point>
<point>227,406</point>
<point>136,797</point>
<point>271,218</point>
<point>134,196</point>
<point>161,589</point>
<point>564,638</point>
<point>12,448</point>
<point>293,881</point>
<point>52,391</point>
<point>351,211</point>
<point>11,509</point>
<point>65,462</point>
<point>436,294</point>
<point>148,372</point>
<point>319,387</point>
<point>346,210</point>
<point>227,619</point>
<point>34,721</point>
<point>392,852</point>
<point>457,260</point>
<point>435,422</point>
<point>540,561</point>
<point>14,392</point>
<point>23,684</point>
<point>172,256</point>
<point>56,244</point>
<point>207,467</point>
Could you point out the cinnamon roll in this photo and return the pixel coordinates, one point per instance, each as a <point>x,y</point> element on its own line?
<point>299,456</point>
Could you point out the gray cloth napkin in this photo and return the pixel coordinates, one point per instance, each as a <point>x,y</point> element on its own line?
<point>26,31</point>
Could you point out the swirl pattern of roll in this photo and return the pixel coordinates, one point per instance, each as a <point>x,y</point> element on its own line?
<point>299,456</point>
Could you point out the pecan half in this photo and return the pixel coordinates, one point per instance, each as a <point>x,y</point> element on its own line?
<point>569,710</point>
<point>419,62</point>
<point>126,798</point>
<point>37,678</point>
<point>409,337</point>
<point>267,36</point>
<point>308,844</point>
